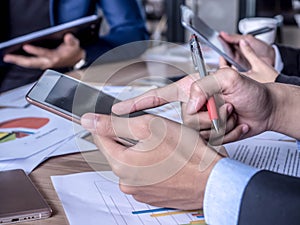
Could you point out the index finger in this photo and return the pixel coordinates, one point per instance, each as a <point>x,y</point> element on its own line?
<point>231,38</point>
<point>178,91</point>
<point>27,61</point>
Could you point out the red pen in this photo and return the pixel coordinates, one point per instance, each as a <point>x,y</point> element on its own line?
<point>200,67</point>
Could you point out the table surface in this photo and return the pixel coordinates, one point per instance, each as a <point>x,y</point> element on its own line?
<point>131,72</point>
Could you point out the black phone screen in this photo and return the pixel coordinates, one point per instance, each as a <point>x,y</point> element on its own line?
<point>79,98</point>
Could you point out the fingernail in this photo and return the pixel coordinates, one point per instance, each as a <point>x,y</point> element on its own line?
<point>117,109</point>
<point>245,129</point>
<point>89,121</point>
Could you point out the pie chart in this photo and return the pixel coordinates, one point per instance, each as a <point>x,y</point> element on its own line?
<point>19,128</point>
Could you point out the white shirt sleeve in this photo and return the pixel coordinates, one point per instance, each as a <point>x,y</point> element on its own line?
<point>278,65</point>
<point>224,191</point>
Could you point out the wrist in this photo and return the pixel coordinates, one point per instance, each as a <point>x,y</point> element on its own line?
<point>281,106</point>
<point>81,62</point>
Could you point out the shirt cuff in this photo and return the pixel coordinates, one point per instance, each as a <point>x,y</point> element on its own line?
<point>224,191</point>
<point>298,144</point>
<point>278,65</point>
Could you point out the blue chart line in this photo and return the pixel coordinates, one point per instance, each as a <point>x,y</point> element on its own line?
<point>123,209</point>
<point>151,210</point>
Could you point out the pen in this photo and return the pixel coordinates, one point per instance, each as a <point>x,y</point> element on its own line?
<point>200,67</point>
<point>261,31</point>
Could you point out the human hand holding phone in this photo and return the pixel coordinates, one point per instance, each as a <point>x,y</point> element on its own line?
<point>264,51</point>
<point>67,54</point>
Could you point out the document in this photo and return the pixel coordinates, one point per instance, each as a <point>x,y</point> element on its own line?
<point>95,198</point>
<point>27,131</point>
<point>68,146</point>
<point>15,98</point>
<point>277,156</point>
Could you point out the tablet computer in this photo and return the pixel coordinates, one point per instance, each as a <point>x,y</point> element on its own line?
<point>211,38</point>
<point>20,199</point>
<point>86,29</point>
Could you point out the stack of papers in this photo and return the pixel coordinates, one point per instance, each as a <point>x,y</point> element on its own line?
<point>30,135</point>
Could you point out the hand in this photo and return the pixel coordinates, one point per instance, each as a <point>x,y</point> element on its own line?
<point>180,91</point>
<point>168,167</point>
<point>252,101</point>
<point>229,131</point>
<point>259,71</point>
<point>65,55</point>
<point>264,51</point>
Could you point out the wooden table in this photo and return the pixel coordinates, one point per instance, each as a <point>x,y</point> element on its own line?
<point>117,73</point>
<point>62,165</point>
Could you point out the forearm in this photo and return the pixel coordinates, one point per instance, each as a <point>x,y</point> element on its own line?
<point>286,109</point>
<point>281,78</point>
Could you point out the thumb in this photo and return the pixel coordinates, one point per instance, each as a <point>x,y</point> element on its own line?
<point>222,62</point>
<point>70,39</point>
<point>249,54</point>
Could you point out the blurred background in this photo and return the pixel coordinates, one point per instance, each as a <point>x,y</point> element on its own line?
<point>163,18</point>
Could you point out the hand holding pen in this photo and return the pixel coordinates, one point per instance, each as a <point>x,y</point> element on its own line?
<point>200,67</point>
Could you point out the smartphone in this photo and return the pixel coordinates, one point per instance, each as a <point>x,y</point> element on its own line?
<point>86,29</point>
<point>20,199</point>
<point>211,37</point>
<point>70,98</point>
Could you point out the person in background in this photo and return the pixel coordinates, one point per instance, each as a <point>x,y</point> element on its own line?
<point>172,166</point>
<point>286,60</point>
<point>125,19</point>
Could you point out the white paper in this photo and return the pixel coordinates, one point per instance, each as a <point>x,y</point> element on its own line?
<point>171,111</point>
<point>91,198</point>
<point>271,135</point>
<point>15,98</point>
<point>278,156</point>
<point>71,145</point>
<point>51,131</point>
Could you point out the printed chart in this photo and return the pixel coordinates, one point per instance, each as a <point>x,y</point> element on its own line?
<point>125,210</point>
<point>22,127</point>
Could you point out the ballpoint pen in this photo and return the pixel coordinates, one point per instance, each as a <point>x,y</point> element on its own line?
<point>261,31</point>
<point>198,61</point>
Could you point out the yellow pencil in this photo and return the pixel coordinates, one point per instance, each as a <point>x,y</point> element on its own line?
<point>198,222</point>
<point>172,213</point>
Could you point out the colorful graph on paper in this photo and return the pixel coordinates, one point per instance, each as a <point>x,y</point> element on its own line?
<point>125,210</point>
<point>20,128</point>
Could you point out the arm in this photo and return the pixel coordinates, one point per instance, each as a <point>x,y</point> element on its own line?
<point>271,198</point>
<point>291,60</point>
<point>126,25</point>
<point>261,106</point>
